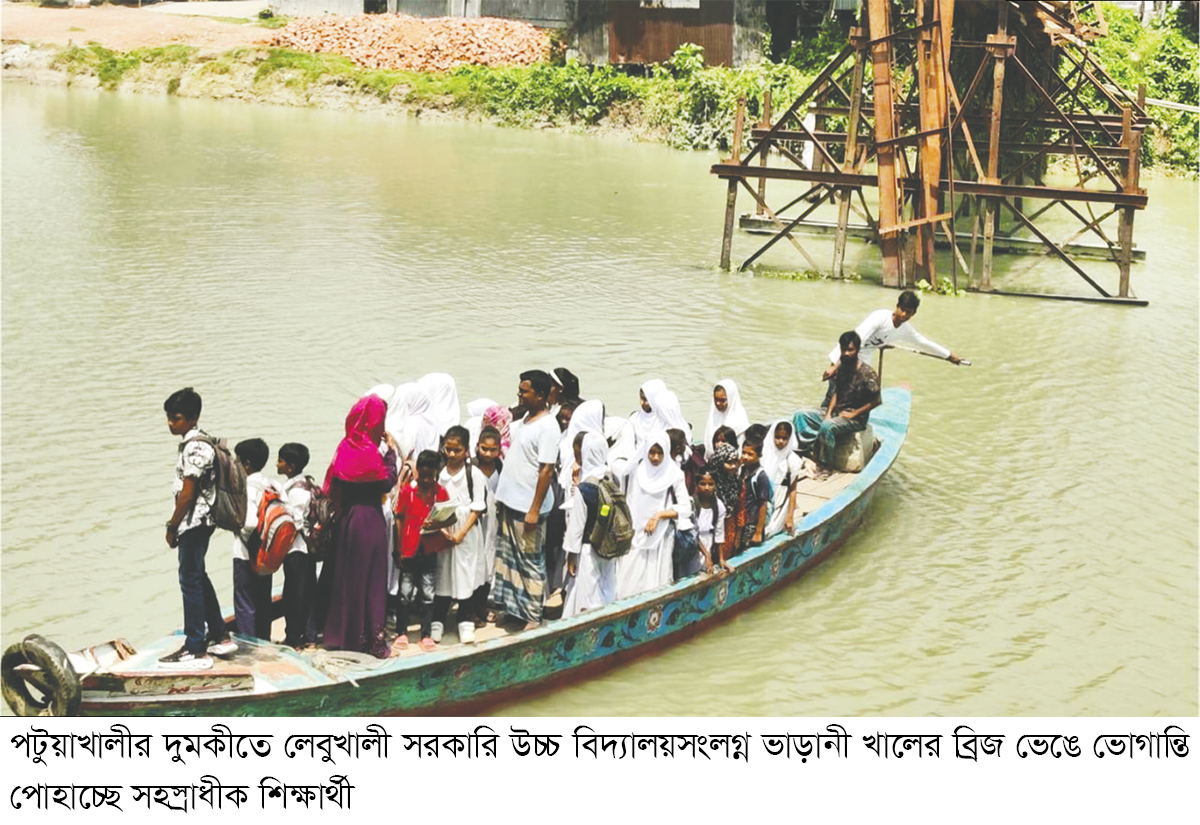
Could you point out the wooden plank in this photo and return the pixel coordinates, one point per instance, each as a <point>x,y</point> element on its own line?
<point>915,222</point>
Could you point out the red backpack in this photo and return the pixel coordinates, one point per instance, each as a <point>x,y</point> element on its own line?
<point>276,533</point>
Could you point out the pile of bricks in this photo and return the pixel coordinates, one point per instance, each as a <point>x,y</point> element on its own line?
<point>397,41</point>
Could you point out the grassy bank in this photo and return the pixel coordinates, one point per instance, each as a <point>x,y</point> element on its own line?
<point>680,103</point>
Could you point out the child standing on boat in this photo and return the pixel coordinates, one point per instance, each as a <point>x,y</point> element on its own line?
<point>488,450</point>
<point>189,528</point>
<point>299,569</point>
<point>251,592</point>
<point>461,568</point>
<point>709,514</point>
<point>417,542</point>
<point>595,577</point>
<point>785,468</point>
<point>754,496</point>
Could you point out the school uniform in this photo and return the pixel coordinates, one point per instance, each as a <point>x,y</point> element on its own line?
<point>299,569</point>
<point>251,592</point>
<point>462,567</point>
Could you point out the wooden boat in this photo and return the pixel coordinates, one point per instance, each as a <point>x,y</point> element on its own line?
<point>271,680</point>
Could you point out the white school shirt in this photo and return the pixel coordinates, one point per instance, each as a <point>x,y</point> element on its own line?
<point>705,529</point>
<point>533,445</point>
<point>298,499</point>
<point>256,484</point>
<point>877,329</point>
<point>461,567</point>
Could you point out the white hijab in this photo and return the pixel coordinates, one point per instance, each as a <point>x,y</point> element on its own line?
<point>587,418</point>
<point>619,432</point>
<point>475,411</point>
<point>649,483</point>
<point>645,422</point>
<point>594,452</point>
<point>774,460</point>
<point>443,400</point>
<point>420,433</point>
<point>734,415</point>
<point>670,417</point>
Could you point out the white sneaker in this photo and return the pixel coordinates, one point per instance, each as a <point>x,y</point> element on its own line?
<point>466,632</point>
<point>435,632</point>
<point>223,647</point>
<point>184,659</point>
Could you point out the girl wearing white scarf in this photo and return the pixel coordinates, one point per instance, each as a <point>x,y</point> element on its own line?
<point>734,414</point>
<point>653,482</point>
<point>595,577</point>
<point>621,444</point>
<point>420,432</point>
<point>784,467</point>
<point>443,400</point>
<point>670,417</point>
<point>475,411</point>
<point>587,418</point>
<point>645,421</point>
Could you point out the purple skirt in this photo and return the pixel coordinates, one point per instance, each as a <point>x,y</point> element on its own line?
<point>358,609</point>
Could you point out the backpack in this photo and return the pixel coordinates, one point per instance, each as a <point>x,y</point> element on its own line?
<point>320,521</point>
<point>276,533</point>
<point>229,478</point>
<point>612,534</point>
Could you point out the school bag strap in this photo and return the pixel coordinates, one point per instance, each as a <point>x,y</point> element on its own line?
<point>229,480</point>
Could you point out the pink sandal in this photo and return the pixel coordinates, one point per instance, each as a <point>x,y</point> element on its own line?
<point>428,644</point>
<point>400,643</point>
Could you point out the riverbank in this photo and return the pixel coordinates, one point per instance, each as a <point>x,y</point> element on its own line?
<point>680,103</point>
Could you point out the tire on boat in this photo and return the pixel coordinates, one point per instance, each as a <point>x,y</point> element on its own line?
<point>41,663</point>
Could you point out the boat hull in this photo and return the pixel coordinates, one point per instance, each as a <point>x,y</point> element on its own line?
<point>463,680</point>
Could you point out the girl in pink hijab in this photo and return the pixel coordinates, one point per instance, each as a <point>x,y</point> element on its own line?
<point>500,417</point>
<point>358,479</point>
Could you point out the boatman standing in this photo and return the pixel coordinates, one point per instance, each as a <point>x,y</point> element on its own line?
<point>883,328</point>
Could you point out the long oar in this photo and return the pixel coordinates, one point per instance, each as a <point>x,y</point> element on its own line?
<point>962,362</point>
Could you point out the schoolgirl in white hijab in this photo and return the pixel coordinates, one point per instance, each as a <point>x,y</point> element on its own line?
<point>622,445</point>
<point>784,467</point>
<point>587,418</point>
<point>643,421</point>
<point>420,431</point>
<point>475,411</point>
<point>443,400</point>
<point>670,416</point>
<point>653,483</point>
<point>595,578</point>
<point>734,414</point>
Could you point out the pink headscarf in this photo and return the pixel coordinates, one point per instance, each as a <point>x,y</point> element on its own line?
<point>499,417</point>
<point>357,456</point>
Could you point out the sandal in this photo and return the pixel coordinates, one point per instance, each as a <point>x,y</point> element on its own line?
<point>428,644</point>
<point>400,643</point>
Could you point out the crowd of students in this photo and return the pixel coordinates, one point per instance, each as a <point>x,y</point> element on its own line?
<point>495,514</point>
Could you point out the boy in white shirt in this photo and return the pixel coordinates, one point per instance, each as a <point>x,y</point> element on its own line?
<point>885,327</point>
<point>251,592</point>
<point>299,568</point>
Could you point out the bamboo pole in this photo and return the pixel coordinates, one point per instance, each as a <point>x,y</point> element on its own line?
<point>879,26</point>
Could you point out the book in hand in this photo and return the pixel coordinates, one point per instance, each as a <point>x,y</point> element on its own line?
<point>443,511</point>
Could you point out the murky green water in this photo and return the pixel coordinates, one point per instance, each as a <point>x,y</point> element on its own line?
<point>1033,552</point>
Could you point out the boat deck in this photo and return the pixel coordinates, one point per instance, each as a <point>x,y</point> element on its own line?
<point>261,668</point>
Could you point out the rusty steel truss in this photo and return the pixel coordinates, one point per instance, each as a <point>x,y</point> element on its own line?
<point>887,113</point>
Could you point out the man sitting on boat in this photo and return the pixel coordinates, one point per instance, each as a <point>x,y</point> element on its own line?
<point>853,393</point>
<point>886,328</point>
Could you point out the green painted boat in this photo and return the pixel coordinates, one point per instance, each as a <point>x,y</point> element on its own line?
<point>264,679</point>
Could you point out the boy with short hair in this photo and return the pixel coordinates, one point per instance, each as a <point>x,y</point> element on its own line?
<point>299,568</point>
<point>415,551</point>
<point>189,528</point>
<point>754,493</point>
<point>251,592</point>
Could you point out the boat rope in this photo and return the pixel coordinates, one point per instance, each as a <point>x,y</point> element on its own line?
<point>345,664</point>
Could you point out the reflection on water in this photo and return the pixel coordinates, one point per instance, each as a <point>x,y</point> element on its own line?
<point>1033,551</point>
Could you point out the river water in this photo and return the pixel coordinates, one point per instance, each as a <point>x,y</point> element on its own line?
<point>1033,552</point>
